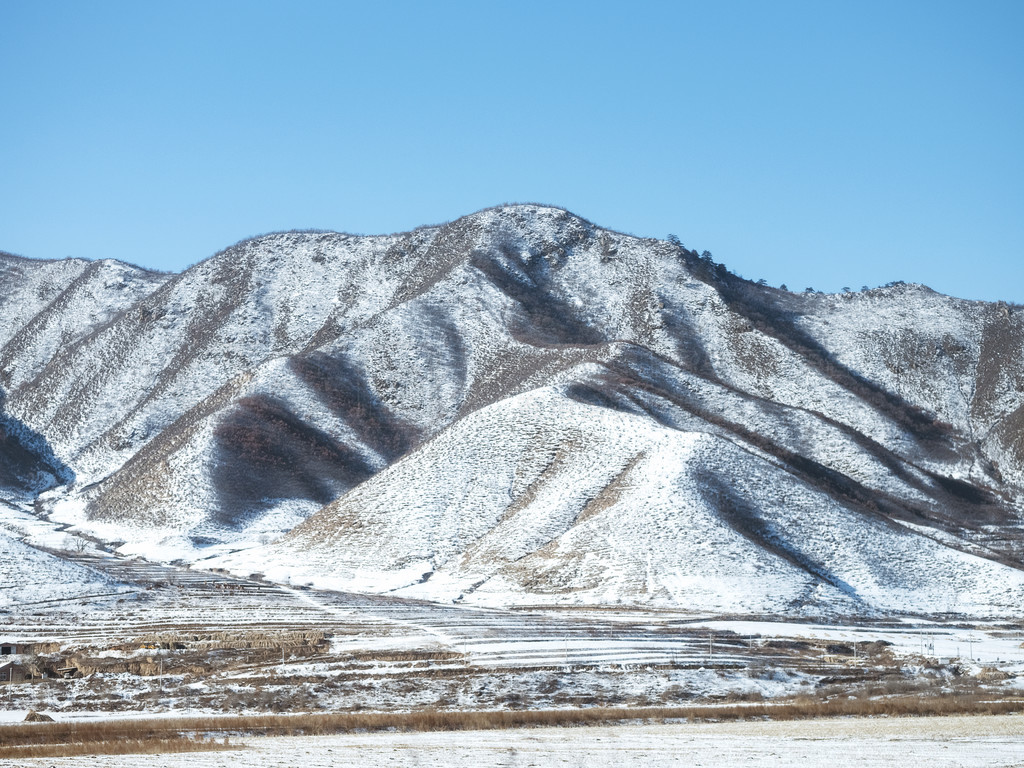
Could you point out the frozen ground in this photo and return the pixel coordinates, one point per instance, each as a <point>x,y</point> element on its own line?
<point>1003,647</point>
<point>149,639</point>
<point>938,742</point>
<point>184,641</point>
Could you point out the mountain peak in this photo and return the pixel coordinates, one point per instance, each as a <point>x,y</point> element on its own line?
<point>521,406</point>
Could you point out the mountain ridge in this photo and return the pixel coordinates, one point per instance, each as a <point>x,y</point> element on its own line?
<point>255,392</point>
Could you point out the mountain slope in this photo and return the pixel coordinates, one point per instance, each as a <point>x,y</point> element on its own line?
<point>539,498</point>
<point>806,452</point>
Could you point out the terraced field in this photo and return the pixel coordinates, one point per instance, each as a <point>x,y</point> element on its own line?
<point>147,638</point>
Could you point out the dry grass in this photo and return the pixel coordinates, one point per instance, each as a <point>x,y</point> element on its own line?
<point>120,746</point>
<point>230,640</point>
<point>188,734</point>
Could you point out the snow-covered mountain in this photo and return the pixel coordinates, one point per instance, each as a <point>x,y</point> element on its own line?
<point>522,407</point>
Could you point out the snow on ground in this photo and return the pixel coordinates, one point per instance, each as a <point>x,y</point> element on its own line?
<point>31,576</point>
<point>1004,647</point>
<point>543,499</point>
<point>135,379</point>
<point>28,575</point>
<point>17,520</point>
<point>940,742</point>
<point>383,653</point>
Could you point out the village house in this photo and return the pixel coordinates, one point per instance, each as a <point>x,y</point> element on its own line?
<point>13,672</point>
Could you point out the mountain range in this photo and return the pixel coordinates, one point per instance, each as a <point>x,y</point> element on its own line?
<point>522,407</point>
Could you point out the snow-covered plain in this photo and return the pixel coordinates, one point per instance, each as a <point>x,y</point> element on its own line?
<point>945,742</point>
<point>185,641</point>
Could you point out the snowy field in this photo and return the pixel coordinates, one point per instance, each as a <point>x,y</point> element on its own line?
<point>141,633</point>
<point>149,639</point>
<point>964,742</point>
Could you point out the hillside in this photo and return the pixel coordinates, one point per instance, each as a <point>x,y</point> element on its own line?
<point>520,406</point>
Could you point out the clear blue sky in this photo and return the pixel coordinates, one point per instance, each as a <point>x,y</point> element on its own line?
<point>818,144</point>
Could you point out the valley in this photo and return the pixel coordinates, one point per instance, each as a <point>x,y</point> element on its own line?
<point>177,641</point>
<point>516,465</point>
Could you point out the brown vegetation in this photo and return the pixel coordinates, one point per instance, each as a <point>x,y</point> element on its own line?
<point>120,746</point>
<point>187,734</point>
<point>231,640</point>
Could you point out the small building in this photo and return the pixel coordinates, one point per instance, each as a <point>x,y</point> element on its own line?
<point>13,672</point>
<point>13,649</point>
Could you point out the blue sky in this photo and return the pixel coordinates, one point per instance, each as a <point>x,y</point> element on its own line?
<point>812,144</point>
